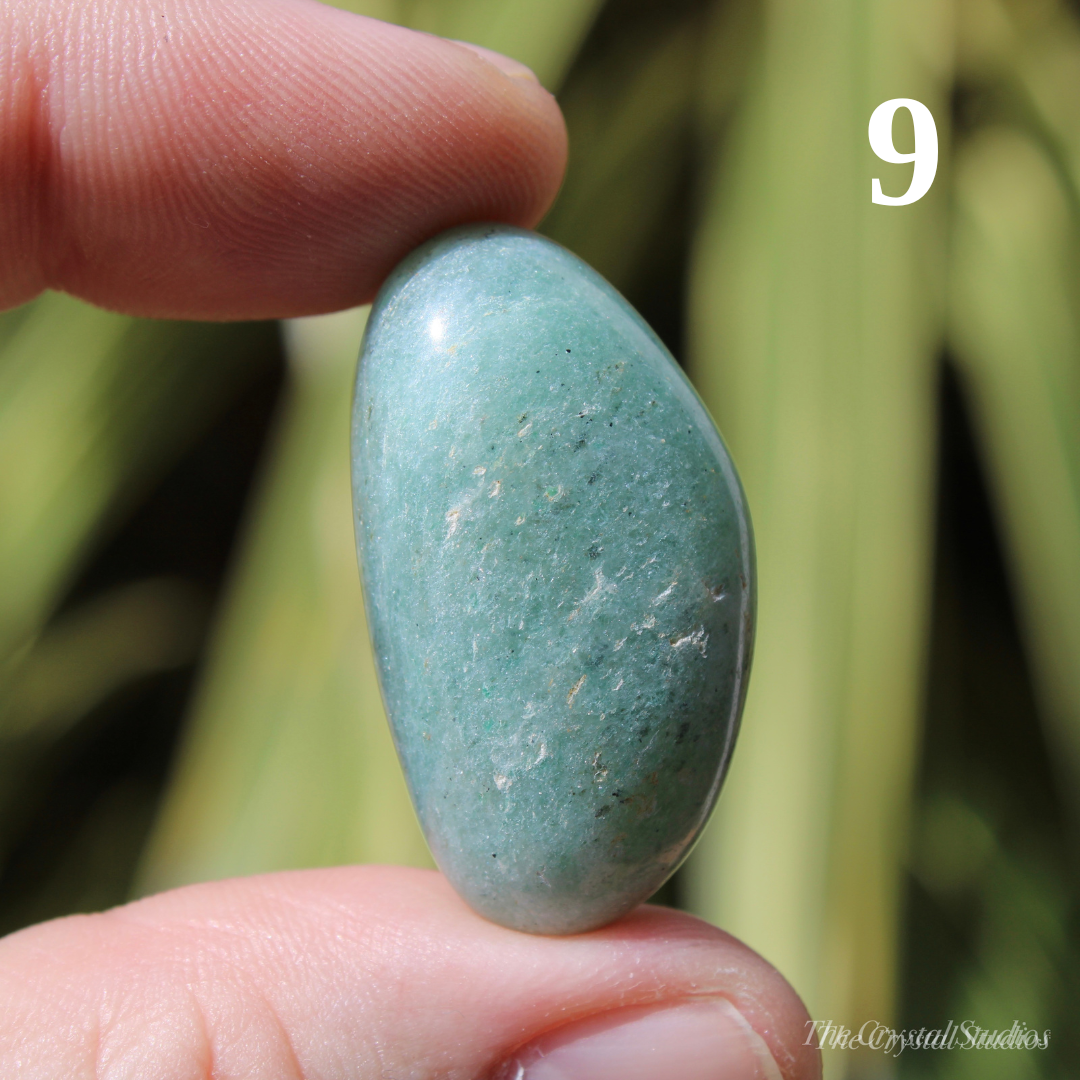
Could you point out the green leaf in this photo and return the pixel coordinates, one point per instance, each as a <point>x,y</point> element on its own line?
<point>630,117</point>
<point>1015,332</point>
<point>815,325</point>
<point>288,760</point>
<point>92,407</point>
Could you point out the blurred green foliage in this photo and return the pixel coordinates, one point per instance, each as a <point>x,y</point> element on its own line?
<point>900,388</point>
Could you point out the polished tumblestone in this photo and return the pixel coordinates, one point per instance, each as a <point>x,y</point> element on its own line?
<point>558,570</point>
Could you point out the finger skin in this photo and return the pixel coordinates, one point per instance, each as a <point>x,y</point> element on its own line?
<point>357,972</point>
<point>226,159</point>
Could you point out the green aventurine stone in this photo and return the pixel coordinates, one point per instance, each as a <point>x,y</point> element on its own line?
<point>559,576</point>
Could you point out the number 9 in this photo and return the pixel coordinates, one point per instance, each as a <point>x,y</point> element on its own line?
<point>926,149</point>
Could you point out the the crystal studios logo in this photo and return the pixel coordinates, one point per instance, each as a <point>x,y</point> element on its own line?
<point>966,1035</point>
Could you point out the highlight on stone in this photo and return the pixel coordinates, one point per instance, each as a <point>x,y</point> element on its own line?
<point>558,569</point>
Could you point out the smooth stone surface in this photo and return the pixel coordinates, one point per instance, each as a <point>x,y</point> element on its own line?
<point>558,570</point>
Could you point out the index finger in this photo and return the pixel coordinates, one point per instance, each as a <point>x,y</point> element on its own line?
<point>250,159</point>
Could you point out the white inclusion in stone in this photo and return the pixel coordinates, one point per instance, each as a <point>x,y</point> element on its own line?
<point>502,782</point>
<point>699,639</point>
<point>665,594</point>
<point>600,586</point>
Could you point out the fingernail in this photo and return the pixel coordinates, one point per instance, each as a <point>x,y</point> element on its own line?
<point>704,1039</point>
<point>508,66</point>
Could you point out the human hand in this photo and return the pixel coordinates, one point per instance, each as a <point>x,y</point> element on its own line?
<point>273,158</point>
<point>366,972</point>
<point>243,159</point>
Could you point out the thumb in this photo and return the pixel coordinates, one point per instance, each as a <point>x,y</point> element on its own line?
<point>371,972</point>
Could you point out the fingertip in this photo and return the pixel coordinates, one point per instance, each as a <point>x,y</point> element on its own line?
<point>510,67</point>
